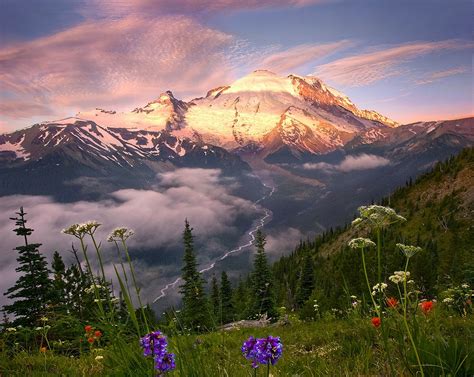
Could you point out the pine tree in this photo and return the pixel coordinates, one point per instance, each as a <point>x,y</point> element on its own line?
<point>227,305</point>
<point>216,299</point>
<point>262,282</point>
<point>59,295</point>
<point>31,292</point>
<point>240,299</point>
<point>195,312</point>
<point>306,281</point>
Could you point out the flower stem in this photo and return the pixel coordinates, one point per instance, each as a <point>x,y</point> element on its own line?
<point>268,369</point>
<point>367,280</point>
<point>410,336</point>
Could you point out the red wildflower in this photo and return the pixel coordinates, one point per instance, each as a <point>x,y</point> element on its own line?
<point>43,349</point>
<point>90,340</point>
<point>392,302</point>
<point>88,328</point>
<point>97,334</point>
<point>376,321</point>
<point>426,306</point>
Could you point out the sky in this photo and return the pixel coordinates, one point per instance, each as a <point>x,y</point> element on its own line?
<point>410,60</point>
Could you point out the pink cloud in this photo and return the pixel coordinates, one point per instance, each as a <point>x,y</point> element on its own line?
<point>112,62</point>
<point>288,60</point>
<point>370,67</point>
<point>117,8</point>
<point>436,76</point>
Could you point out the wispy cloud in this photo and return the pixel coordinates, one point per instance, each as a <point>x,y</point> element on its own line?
<point>287,61</point>
<point>118,8</point>
<point>436,76</point>
<point>112,62</point>
<point>350,163</point>
<point>373,66</point>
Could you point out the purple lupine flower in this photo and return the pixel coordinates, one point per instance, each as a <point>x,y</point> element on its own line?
<point>268,350</point>
<point>165,362</point>
<point>154,344</point>
<point>249,351</point>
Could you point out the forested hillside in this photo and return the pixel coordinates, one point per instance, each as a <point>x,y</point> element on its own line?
<point>439,208</point>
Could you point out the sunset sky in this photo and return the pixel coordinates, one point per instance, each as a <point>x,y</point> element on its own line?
<point>408,59</point>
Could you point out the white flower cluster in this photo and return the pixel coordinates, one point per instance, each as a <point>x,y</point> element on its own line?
<point>399,277</point>
<point>80,230</point>
<point>120,234</point>
<point>378,288</point>
<point>377,216</point>
<point>92,288</point>
<point>408,250</point>
<point>10,329</point>
<point>359,243</point>
<point>448,300</point>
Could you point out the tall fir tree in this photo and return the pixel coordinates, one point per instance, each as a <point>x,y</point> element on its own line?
<point>227,305</point>
<point>31,292</point>
<point>306,281</point>
<point>262,282</point>
<point>216,299</point>
<point>241,299</point>
<point>59,294</point>
<point>196,313</point>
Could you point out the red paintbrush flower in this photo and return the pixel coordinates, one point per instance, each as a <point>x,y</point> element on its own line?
<point>392,302</point>
<point>88,328</point>
<point>426,306</point>
<point>90,340</point>
<point>376,321</point>
<point>97,334</point>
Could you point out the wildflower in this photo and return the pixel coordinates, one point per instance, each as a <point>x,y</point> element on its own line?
<point>44,319</point>
<point>377,216</point>
<point>43,349</point>
<point>268,350</point>
<point>90,340</point>
<point>376,321</point>
<point>408,250</point>
<point>97,334</point>
<point>249,351</point>
<point>10,329</point>
<point>359,243</point>
<point>120,234</point>
<point>39,328</point>
<point>165,362</point>
<point>465,286</point>
<point>88,328</point>
<point>399,276</point>
<point>392,302</point>
<point>426,306</point>
<point>89,227</point>
<point>99,357</point>
<point>378,288</point>
<point>448,300</point>
<point>73,230</point>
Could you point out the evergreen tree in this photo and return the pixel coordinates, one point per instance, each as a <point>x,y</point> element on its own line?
<point>262,282</point>
<point>306,281</point>
<point>240,299</point>
<point>31,292</point>
<point>216,299</point>
<point>59,295</point>
<point>195,313</point>
<point>227,306</point>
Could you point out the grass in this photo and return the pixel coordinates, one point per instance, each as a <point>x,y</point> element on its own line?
<point>327,347</point>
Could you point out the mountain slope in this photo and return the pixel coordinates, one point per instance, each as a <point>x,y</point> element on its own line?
<point>438,207</point>
<point>75,159</point>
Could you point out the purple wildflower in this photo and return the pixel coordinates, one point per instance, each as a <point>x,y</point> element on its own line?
<point>269,350</point>
<point>249,351</point>
<point>165,362</point>
<point>155,344</point>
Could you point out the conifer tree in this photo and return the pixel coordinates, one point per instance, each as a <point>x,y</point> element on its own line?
<point>59,294</point>
<point>31,292</point>
<point>240,299</point>
<point>195,312</point>
<point>227,306</point>
<point>216,299</point>
<point>306,281</point>
<point>262,282</point>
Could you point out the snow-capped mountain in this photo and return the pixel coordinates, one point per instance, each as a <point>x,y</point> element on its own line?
<point>49,157</point>
<point>260,112</point>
